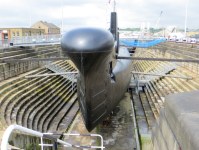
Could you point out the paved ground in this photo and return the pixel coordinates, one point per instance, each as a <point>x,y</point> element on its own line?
<point>118,136</point>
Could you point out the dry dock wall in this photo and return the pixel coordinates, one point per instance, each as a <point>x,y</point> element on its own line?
<point>8,70</point>
<point>177,127</point>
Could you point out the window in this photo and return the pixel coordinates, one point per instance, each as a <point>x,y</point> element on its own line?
<point>17,34</point>
<point>13,34</point>
<point>26,34</point>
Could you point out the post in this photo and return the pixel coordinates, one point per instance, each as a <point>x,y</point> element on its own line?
<point>114,6</point>
<point>186,21</point>
<point>30,13</point>
<point>62,17</point>
<point>55,145</point>
<point>98,139</point>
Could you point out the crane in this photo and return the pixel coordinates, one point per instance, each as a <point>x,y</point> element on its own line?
<point>158,20</point>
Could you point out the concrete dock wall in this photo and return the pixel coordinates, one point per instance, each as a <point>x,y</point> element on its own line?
<point>8,70</point>
<point>177,127</point>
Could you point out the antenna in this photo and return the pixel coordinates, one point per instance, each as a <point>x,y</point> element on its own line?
<point>114,6</point>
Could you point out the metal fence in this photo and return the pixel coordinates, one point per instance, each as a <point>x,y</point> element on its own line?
<point>50,136</point>
<point>31,39</point>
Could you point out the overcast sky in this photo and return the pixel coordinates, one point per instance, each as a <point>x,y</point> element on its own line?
<point>83,13</point>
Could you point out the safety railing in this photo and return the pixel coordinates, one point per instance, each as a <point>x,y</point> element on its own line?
<point>48,136</point>
<point>158,70</point>
<point>30,40</point>
<point>57,69</point>
<point>168,67</point>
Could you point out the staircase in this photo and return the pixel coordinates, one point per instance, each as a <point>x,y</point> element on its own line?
<point>45,104</point>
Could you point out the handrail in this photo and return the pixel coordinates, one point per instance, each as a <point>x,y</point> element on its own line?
<point>171,76</point>
<point>9,130</point>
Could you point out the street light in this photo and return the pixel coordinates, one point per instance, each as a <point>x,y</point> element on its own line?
<point>186,20</point>
<point>30,13</point>
<point>62,17</point>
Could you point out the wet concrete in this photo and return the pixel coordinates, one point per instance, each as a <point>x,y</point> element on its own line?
<point>140,116</point>
<point>119,135</point>
<point>79,128</point>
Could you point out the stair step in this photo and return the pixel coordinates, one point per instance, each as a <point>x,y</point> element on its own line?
<point>147,110</point>
<point>64,118</point>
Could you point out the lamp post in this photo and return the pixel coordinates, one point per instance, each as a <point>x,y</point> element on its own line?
<point>30,13</point>
<point>62,17</point>
<point>185,30</point>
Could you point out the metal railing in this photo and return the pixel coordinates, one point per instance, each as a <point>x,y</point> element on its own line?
<point>62,143</point>
<point>31,39</point>
<point>57,69</point>
<point>168,67</point>
<point>159,70</point>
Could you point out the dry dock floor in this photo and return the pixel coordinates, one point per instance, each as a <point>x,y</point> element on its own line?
<point>119,135</point>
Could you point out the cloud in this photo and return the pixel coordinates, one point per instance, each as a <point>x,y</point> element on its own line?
<point>79,13</point>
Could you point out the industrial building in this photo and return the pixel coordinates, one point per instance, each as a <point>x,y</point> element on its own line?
<point>49,28</point>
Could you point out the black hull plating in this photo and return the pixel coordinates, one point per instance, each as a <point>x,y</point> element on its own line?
<point>102,79</point>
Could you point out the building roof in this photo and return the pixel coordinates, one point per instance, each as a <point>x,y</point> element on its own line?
<point>50,25</point>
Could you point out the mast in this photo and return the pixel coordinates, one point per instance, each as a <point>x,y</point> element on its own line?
<point>114,6</point>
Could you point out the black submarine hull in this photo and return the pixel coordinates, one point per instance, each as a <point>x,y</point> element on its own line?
<point>102,79</point>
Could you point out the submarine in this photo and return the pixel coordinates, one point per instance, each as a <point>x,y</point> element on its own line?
<point>102,79</point>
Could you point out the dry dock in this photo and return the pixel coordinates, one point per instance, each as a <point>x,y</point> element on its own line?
<point>119,135</point>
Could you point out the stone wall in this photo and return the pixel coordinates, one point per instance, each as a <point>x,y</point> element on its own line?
<point>177,127</point>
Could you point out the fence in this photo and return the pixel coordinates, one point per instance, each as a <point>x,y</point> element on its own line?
<point>31,39</point>
<point>49,136</point>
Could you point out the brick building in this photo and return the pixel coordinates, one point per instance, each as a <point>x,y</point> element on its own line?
<point>10,33</point>
<point>49,27</point>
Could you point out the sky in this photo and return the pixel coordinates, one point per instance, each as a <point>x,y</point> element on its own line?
<point>95,13</point>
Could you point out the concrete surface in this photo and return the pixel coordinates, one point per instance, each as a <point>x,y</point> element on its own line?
<point>117,136</point>
<point>167,133</point>
<point>182,113</point>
